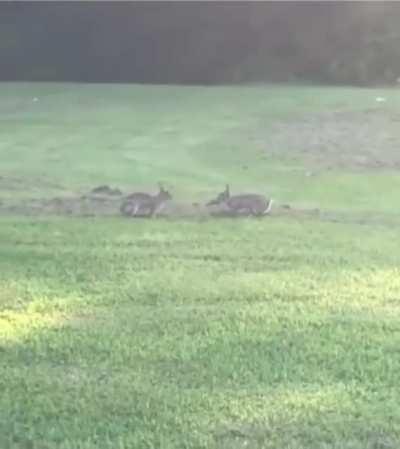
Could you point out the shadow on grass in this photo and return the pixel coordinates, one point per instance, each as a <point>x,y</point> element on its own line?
<point>124,376</point>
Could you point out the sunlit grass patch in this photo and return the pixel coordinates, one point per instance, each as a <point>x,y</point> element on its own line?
<point>19,327</point>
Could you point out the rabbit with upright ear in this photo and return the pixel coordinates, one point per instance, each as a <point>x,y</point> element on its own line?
<point>144,204</point>
<point>221,198</point>
<point>250,203</point>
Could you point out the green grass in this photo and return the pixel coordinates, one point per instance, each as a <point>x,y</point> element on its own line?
<point>193,138</point>
<point>280,333</point>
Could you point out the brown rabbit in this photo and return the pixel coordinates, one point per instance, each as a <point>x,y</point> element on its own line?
<point>144,204</point>
<point>249,203</point>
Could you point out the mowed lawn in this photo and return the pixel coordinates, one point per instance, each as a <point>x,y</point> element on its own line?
<point>276,333</point>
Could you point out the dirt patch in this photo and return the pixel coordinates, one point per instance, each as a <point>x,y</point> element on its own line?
<point>106,190</point>
<point>367,139</point>
<point>73,206</point>
<point>109,204</point>
<point>92,206</point>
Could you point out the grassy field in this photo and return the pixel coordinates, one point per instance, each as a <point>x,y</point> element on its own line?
<point>276,333</point>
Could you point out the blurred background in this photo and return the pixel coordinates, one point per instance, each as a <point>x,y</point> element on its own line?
<point>201,42</point>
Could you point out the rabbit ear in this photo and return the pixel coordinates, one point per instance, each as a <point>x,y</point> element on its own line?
<point>227,188</point>
<point>162,187</point>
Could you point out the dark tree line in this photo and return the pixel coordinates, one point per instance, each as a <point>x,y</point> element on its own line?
<point>200,42</point>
